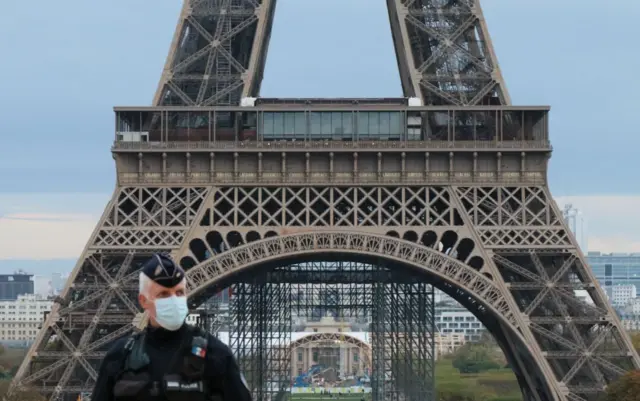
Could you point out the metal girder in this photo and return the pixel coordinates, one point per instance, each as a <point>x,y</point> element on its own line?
<point>217,55</point>
<point>246,226</point>
<point>260,313</point>
<point>219,51</point>
<point>500,247</point>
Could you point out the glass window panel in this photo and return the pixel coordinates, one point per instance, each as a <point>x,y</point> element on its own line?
<point>224,119</point>
<point>347,124</point>
<point>326,125</point>
<point>278,125</point>
<point>300,125</point>
<point>395,124</point>
<point>512,126</point>
<point>385,128</point>
<point>315,125</point>
<point>289,125</point>
<point>336,125</point>
<point>267,125</point>
<point>374,125</point>
<point>249,119</point>
<point>363,124</point>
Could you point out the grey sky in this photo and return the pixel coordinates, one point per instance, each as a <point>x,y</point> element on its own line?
<point>65,64</point>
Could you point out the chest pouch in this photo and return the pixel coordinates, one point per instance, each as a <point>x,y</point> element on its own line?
<point>195,360</point>
<point>134,380</point>
<point>175,388</point>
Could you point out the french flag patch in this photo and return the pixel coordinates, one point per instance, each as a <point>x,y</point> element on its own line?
<point>200,352</point>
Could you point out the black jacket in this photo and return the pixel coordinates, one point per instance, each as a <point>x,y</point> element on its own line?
<point>221,372</point>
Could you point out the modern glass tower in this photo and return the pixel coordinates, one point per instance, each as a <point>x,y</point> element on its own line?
<point>613,269</point>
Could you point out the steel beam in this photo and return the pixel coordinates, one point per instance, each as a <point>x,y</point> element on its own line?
<point>474,218</point>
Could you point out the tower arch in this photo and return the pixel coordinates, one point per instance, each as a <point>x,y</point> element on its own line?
<point>464,165</point>
<point>471,287</point>
<point>349,245</point>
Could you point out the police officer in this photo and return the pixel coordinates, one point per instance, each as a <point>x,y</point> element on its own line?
<point>170,360</point>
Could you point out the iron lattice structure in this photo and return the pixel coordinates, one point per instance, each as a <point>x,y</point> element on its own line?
<point>390,303</point>
<point>219,52</point>
<point>458,194</point>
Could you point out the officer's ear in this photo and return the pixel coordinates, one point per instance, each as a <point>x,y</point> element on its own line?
<point>144,302</point>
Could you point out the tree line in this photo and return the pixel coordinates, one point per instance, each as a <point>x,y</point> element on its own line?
<point>474,372</point>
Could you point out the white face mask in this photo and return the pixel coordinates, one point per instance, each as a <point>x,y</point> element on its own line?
<point>171,312</point>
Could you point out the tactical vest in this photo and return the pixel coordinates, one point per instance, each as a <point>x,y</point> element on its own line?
<point>183,382</point>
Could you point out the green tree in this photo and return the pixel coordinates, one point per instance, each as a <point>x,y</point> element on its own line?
<point>10,360</point>
<point>635,339</point>
<point>626,388</point>
<point>23,395</point>
<point>487,339</point>
<point>476,358</point>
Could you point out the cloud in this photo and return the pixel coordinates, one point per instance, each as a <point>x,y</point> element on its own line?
<point>44,236</point>
<point>57,226</point>
<point>612,222</point>
<point>53,203</point>
<point>46,217</point>
<point>47,226</point>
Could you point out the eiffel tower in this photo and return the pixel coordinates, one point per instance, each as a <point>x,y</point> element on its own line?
<point>450,181</point>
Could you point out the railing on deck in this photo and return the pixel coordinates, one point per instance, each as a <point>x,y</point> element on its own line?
<point>528,177</point>
<point>330,145</point>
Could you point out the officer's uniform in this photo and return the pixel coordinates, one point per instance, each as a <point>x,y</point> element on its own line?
<point>161,365</point>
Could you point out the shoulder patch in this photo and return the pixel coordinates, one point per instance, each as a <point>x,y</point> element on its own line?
<point>199,352</point>
<point>199,343</point>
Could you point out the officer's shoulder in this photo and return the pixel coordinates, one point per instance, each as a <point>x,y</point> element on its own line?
<point>115,354</point>
<point>214,344</point>
<point>118,347</point>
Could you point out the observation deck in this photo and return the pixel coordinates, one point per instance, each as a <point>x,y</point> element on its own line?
<point>306,138</point>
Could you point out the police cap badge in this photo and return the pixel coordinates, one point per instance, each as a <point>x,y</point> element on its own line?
<point>164,271</point>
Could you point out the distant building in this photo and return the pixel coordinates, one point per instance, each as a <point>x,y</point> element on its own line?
<point>331,344</point>
<point>458,320</point>
<point>21,319</point>
<point>440,297</point>
<point>328,351</point>
<point>630,322</point>
<point>13,285</point>
<point>577,225</point>
<point>615,269</point>
<point>447,343</point>
<point>622,294</point>
<point>632,308</point>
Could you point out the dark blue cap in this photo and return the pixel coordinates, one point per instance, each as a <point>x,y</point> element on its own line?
<point>164,271</point>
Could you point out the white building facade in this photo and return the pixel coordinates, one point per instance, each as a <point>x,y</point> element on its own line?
<point>632,308</point>
<point>623,294</point>
<point>446,344</point>
<point>21,319</point>
<point>458,320</point>
<point>630,323</point>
